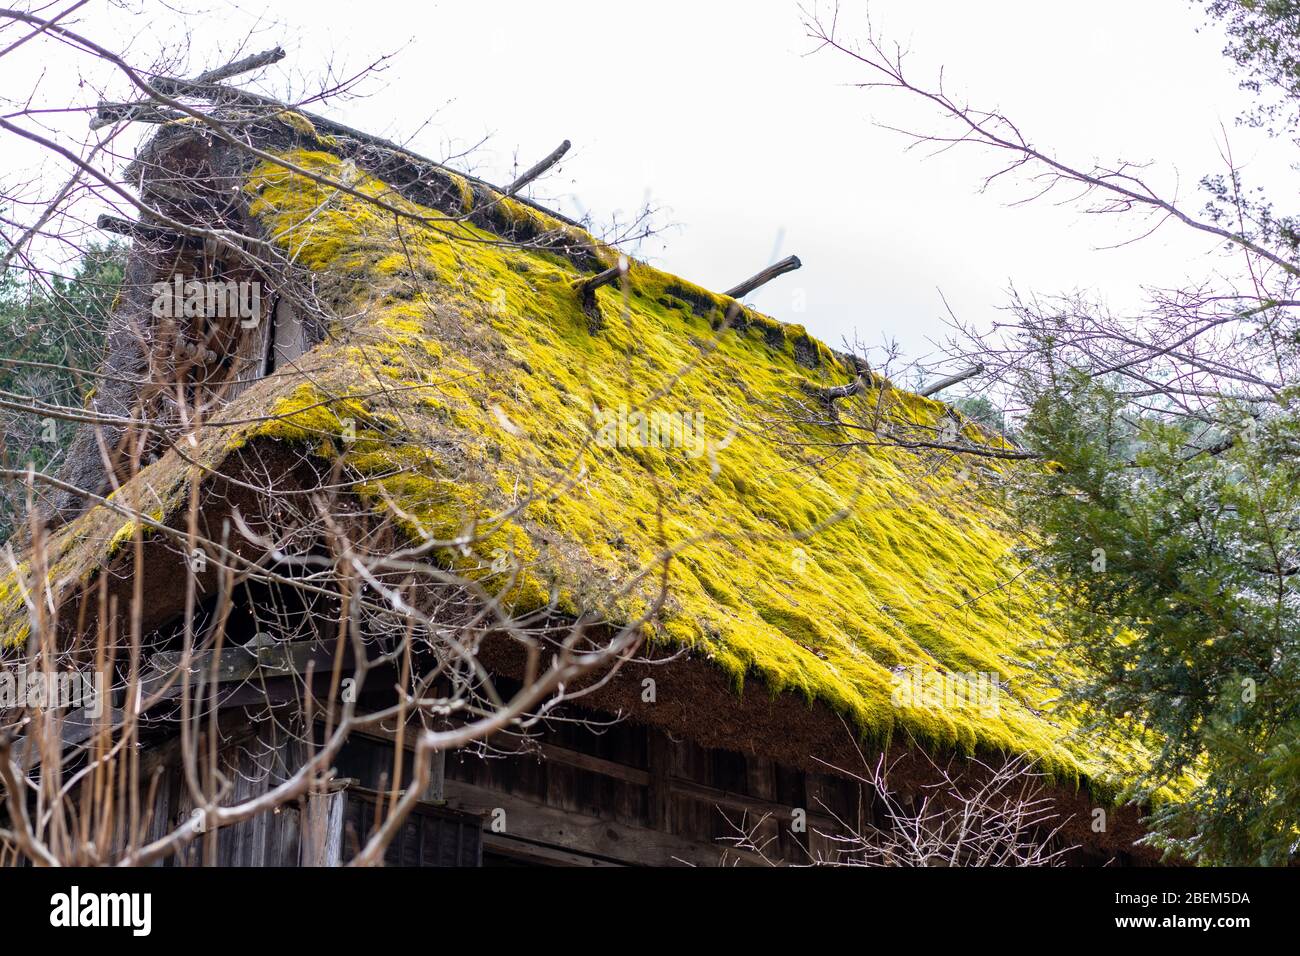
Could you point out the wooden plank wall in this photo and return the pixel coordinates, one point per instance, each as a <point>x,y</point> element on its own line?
<point>568,795</point>
<point>254,757</point>
<point>630,795</point>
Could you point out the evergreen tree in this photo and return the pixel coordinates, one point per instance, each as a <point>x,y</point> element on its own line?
<point>1177,552</point>
<point>52,330</point>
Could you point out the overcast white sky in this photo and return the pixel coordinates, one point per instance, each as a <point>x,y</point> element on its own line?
<point>755,150</point>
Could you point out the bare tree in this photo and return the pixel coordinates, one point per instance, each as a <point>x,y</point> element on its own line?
<point>975,815</point>
<point>1196,348</point>
<point>1170,438</point>
<point>297,602</point>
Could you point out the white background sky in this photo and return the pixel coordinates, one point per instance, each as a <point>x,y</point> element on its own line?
<point>713,110</point>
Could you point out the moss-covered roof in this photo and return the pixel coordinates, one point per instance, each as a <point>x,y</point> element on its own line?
<point>477,385</point>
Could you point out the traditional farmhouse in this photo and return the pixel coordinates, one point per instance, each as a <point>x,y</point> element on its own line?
<point>363,418</point>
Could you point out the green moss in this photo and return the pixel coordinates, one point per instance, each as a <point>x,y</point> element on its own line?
<point>465,393</point>
<point>14,623</point>
<point>887,558</point>
<point>304,127</point>
<point>77,552</point>
<point>466,191</point>
<point>124,535</point>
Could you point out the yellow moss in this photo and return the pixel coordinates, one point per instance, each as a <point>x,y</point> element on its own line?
<point>518,213</point>
<point>823,580</point>
<point>14,623</point>
<point>121,537</point>
<point>79,550</point>
<point>126,533</point>
<point>465,381</point>
<point>466,191</point>
<point>303,126</point>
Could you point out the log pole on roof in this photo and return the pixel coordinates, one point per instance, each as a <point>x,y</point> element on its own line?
<point>246,65</point>
<point>233,96</point>
<point>110,113</point>
<point>587,292</point>
<point>589,286</point>
<point>533,172</point>
<point>141,232</point>
<point>951,380</point>
<point>788,264</point>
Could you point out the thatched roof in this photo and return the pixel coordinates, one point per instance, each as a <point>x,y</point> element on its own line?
<point>477,381</point>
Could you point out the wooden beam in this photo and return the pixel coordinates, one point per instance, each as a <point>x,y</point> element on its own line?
<point>788,264</point>
<point>565,830</point>
<point>248,64</point>
<point>143,233</point>
<point>533,172</point>
<point>755,806</point>
<point>270,664</point>
<point>660,779</point>
<point>109,113</point>
<point>139,231</point>
<point>951,380</point>
<point>551,752</point>
<point>240,663</point>
<point>587,287</point>
<point>608,768</point>
<point>539,853</point>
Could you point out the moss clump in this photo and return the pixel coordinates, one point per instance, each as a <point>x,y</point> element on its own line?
<point>14,623</point>
<point>465,190</point>
<point>124,535</point>
<point>304,127</point>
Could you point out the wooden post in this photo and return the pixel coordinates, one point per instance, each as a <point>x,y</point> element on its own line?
<point>788,264</point>
<point>436,791</point>
<point>587,291</point>
<point>322,832</point>
<point>551,159</point>
<point>761,783</point>
<point>821,846</point>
